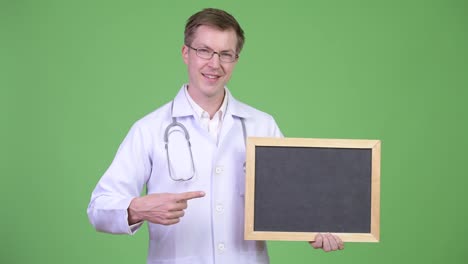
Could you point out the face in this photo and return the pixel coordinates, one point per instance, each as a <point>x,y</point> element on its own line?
<point>207,77</point>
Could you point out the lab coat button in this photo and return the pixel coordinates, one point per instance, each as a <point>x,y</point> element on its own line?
<point>219,208</point>
<point>219,170</point>
<point>221,247</point>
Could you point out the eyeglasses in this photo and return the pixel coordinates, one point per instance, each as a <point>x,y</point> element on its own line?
<point>207,54</point>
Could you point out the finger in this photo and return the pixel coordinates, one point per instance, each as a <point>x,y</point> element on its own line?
<point>182,204</point>
<point>189,195</point>
<point>174,215</point>
<point>318,243</point>
<point>340,243</point>
<point>333,242</point>
<point>170,221</point>
<point>176,206</point>
<point>326,244</point>
<point>336,239</point>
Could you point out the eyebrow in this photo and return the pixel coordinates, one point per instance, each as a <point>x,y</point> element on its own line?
<point>207,47</point>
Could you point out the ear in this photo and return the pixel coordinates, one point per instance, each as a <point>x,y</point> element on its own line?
<point>185,54</point>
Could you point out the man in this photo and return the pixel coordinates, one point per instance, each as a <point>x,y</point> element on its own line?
<point>192,148</point>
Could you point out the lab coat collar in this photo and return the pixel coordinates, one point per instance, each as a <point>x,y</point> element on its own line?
<point>235,107</point>
<point>182,106</point>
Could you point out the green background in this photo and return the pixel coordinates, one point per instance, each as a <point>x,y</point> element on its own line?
<point>75,75</point>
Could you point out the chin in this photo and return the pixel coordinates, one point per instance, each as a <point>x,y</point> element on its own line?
<point>213,92</point>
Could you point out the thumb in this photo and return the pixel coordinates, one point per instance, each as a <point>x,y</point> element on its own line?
<point>318,243</point>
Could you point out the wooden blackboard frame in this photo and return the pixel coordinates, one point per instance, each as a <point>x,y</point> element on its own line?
<point>254,142</point>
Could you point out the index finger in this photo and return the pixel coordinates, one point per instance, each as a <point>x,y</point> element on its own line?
<point>189,195</point>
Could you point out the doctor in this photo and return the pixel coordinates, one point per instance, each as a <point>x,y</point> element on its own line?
<point>190,154</point>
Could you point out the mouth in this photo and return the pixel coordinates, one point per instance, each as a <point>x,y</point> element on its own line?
<point>211,77</point>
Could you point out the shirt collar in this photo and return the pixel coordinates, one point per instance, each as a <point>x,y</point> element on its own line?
<point>181,106</point>
<point>202,113</point>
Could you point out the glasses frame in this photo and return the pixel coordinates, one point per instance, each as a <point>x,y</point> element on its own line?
<point>212,54</point>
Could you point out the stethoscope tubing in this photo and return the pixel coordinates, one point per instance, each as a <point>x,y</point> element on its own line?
<point>187,137</point>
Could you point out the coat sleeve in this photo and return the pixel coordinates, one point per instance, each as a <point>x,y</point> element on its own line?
<point>123,181</point>
<point>274,129</point>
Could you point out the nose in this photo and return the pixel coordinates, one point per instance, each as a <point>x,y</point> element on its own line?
<point>215,61</point>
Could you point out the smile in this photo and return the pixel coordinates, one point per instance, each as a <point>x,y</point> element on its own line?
<point>210,76</point>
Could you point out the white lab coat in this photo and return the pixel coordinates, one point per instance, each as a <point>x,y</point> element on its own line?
<point>212,229</point>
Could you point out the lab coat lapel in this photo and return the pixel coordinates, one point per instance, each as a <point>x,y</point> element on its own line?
<point>181,105</point>
<point>225,128</point>
<point>234,111</point>
<point>236,108</point>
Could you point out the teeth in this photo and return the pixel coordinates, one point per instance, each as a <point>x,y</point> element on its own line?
<point>211,76</point>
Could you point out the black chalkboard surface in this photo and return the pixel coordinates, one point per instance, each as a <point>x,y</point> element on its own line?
<point>296,188</point>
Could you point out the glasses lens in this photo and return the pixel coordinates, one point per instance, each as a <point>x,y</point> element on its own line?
<point>204,53</point>
<point>227,57</point>
<point>208,54</point>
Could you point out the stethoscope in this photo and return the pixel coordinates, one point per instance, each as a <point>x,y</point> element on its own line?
<point>187,137</point>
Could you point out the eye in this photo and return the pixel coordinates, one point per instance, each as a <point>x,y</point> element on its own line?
<point>204,52</point>
<point>228,56</point>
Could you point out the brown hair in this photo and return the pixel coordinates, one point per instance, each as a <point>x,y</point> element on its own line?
<point>215,18</point>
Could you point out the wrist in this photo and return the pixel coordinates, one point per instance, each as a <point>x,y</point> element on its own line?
<point>133,215</point>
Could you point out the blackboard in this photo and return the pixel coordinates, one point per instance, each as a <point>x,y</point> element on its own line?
<point>296,188</point>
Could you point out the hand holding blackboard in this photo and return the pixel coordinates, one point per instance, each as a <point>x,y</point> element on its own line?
<point>334,182</point>
<point>328,242</point>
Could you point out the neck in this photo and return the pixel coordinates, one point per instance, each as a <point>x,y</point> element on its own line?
<point>210,104</point>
